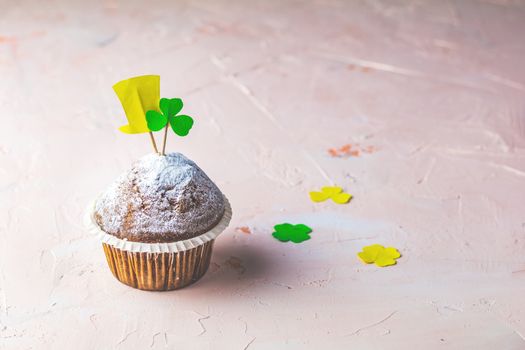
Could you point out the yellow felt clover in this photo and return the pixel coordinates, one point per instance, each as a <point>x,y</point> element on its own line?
<point>333,192</point>
<point>379,255</point>
<point>137,96</point>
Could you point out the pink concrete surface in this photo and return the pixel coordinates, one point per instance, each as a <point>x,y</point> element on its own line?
<point>429,94</point>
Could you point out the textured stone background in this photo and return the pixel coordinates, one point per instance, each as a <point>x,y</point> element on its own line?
<point>429,94</point>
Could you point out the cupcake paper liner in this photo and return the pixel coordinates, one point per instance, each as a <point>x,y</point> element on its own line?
<point>159,271</point>
<point>158,266</point>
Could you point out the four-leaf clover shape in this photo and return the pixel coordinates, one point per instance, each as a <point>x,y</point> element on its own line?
<point>181,124</point>
<point>288,232</point>
<point>379,255</point>
<point>333,192</point>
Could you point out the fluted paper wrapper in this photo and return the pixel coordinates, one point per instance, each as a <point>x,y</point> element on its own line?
<point>159,266</point>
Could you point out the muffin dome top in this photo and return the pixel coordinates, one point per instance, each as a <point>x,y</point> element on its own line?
<point>160,199</point>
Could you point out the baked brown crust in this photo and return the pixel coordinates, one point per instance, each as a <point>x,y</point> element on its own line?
<point>160,199</point>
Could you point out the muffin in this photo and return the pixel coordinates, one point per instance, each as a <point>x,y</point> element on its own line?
<point>158,222</point>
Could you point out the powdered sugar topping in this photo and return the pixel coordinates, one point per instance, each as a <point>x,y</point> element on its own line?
<point>160,199</point>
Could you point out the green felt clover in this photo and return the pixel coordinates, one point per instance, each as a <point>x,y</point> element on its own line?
<point>169,108</point>
<point>288,232</point>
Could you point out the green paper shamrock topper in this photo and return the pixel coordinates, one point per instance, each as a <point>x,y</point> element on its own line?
<point>181,124</point>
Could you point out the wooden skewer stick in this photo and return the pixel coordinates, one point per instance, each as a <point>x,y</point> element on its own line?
<point>153,142</point>
<point>165,137</point>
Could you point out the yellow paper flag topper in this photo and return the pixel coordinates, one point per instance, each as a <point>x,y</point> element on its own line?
<point>137,96</point>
